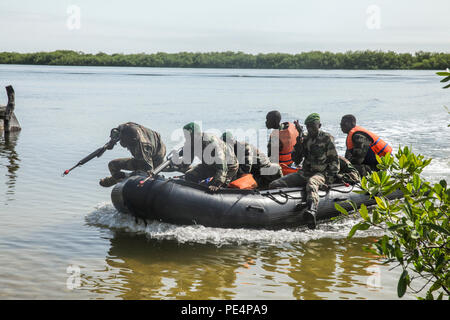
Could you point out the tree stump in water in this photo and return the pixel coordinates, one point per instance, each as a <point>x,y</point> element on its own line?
<point>8,120</point>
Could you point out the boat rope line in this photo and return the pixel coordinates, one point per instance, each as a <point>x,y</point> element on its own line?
<point>283,194</point>
<point>272,197</point>
<point>343,191</point>
<point>286,196</point>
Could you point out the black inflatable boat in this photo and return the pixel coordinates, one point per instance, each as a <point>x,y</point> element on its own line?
<point>180,202</point>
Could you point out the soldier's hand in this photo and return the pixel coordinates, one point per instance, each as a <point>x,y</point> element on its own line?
<point>298,127</point>
<point>213,188</point>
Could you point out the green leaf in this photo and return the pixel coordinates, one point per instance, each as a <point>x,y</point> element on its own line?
<point>388,190</point>
<point>364,212</point>
<point>445,79</point>
<point>364,183</point>
<point>356,227</point>
<point>375,216</point>
<point>416,181</point>
<point>402,284</point>
<point>380,203</point>
<point>340,209</point>
<point>447,86</point>
<point>379,158</point>
<point>375,177</point>
<point>443,73</point>
<point>437,228</point>
<point>402,161</point>
<point>398,254</point>
<point>397,226</point>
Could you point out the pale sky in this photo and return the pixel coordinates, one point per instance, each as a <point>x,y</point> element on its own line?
<point>252,26</point>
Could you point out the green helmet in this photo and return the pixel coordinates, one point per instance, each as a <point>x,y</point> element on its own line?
<point>312,118</point>
<point>227,136</point>
<point>192,127</point>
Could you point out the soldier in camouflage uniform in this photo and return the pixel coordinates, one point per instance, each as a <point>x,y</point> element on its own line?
<point>252,160</point>
<point>145,146</point>
<point>218,160</point>
<point>320,165</point>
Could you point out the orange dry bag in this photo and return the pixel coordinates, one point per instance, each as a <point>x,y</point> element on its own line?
<point>246,181</point>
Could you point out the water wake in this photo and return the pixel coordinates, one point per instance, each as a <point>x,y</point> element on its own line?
<point>105,215</point>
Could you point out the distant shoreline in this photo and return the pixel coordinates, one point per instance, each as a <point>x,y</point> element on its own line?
<point>350,60</point>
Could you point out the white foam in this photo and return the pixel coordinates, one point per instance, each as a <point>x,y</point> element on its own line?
<point>106,215</point>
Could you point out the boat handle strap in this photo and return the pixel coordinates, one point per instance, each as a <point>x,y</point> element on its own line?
<point>257,208</point>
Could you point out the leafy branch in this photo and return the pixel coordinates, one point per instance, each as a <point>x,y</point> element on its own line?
<point>416,228</point>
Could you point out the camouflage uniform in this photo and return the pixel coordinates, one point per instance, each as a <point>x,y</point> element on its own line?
<point>252,160</point>
<point>347,172</point>
<point>224,167</point>
<point>148,153</point>
<point>320,165</point>
<point>361,156</point>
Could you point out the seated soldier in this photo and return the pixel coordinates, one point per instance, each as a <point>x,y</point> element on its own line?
<point>320,165</point>
<point>217,159</point>
<point>362,146</point>
<point>285,135</point>
<point>252,160</point>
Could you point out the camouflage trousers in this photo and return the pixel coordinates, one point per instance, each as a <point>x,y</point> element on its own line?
<point>131,164</point>
<point>302,179</point>
<point>202,171</point>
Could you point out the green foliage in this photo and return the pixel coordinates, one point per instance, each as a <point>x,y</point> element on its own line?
<point>368,59</point>
<point>416,228</point>
<point>446,75</point>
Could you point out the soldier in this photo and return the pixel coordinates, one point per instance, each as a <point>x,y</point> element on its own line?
<point>145,146</point>
<point>320,165</point>
<point>218,160</point>
<point>252,160</point>
<point>285,134</point>
<point>362,145</point>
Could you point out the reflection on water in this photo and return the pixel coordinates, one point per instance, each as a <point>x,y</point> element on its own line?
<point>8,154</point>
<point>153,269</point>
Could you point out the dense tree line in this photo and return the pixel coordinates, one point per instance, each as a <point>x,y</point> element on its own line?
<point>305,60</point>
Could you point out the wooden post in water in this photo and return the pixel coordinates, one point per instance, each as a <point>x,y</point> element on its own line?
<point>8,119</point>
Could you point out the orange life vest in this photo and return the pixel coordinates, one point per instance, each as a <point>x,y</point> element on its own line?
<point>287,169</point>
<point>379,146</point>
<point>288,139</point>
<point>246,181</point>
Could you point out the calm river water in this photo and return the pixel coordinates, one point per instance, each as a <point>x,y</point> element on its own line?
<point>60,238</point>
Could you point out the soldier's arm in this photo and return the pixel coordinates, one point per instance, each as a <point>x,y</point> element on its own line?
<point>247,167</point>
<point>348,155</point>
<point>361,145</point>
<point>299,150</point>
<point>220,165</point>
<point>332,162</point>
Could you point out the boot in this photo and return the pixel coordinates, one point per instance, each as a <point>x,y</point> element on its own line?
<point>310,214</point>
<point>107,182</point>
